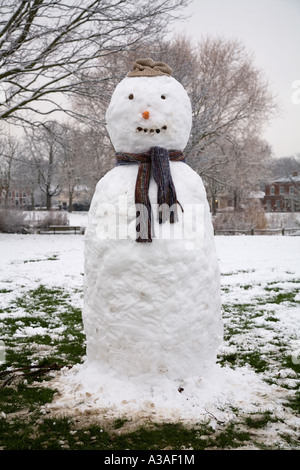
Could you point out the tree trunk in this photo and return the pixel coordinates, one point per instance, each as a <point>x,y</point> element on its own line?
<point>236,201</point>
<point>6,199</point>
<point>214,205</point>
<point>32,199</point>
<point>48,201</point>
<point>70,201</point>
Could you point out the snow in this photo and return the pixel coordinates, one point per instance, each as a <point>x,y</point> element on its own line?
<point>124,115</point>
<point>152,312</point>
<point>244,260</point>
<point>24,257</point>
<point>143,301</point>
<point>247,260</point>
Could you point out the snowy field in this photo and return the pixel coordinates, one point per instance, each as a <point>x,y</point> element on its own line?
<point>258,360</point>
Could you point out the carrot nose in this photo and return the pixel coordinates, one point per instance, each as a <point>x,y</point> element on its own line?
<point>146,114</point>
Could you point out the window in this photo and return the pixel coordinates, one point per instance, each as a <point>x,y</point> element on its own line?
<point>277,204</point>
<point>272,190</point>
<point>292,190</point>
<point>281,189</point>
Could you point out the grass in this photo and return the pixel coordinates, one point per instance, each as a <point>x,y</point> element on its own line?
<point>260,421</point>
<point>47,333</point>
<point>52,311</point>
<point>58,434</point>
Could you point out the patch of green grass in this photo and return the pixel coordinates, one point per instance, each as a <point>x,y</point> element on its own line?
<point>274,319</point>
<point>231,359</point>
<point>62,341</point>
<point>239,271</point>
<point>42,299</point>
<point>32,261</point>
<point>255,360</point>
<point>240,359</point>
<point>51,258</point>
<point>241,318</point>
<point>71,351</point>
<point>282,297</point>
<point>232,437</point>
<point>49,434</point>
<point>294,403</point>
<point>119,423</point>
<point>21,396</point>
<point>289,363</point>
<point>50,309</point>
<point>174,436</point>
<point>17,355</point>
<point>60,433</point>
<point>225,289</point>
<point>273,289</point>
<point>260,421</point>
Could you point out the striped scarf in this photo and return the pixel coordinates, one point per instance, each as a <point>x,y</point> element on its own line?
<point>157,161</point>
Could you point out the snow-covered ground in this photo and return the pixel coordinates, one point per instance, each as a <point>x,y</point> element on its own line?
<point>78,218</point>
<point>255,270</point>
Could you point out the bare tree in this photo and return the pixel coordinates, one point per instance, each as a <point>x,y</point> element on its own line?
<point>28,174</point>
<point>46,46</point>
<point>235,170</point>
<point>247,169</point>
<point>230,98</point>
<point>46,153</point>
<point>231,103</point>
<point>78,163</point>
<point>9,161</point>
<point>285,166</point>
<point>72,166</point>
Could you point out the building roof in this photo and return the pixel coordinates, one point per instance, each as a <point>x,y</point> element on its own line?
<point>287,179</point>
<point>257,195</point>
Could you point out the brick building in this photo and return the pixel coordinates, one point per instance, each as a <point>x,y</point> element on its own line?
<point>283,194</point>
<point>17,198</point>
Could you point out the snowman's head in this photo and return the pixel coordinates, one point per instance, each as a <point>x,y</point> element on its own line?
<point>149,108</point>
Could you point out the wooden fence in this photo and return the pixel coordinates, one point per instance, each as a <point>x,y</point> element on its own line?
<point>61,229</point>
<point>254,231</point>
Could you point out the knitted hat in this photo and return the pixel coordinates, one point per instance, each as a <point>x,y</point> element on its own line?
<point>149,68</point>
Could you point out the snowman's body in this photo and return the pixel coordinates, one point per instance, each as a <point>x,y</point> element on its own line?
<point>150,309</point>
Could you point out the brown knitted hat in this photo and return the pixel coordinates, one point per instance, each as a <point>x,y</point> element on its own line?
<point>149,68</point>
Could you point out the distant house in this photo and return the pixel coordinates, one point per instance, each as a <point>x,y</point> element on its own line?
<point>228,200</point>
<point>283,194</point>
<point>17,198</point>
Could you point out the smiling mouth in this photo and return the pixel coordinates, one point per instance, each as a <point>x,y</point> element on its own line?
<point>151,131</point>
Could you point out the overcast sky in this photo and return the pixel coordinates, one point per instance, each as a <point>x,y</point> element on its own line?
<point>270,30</point>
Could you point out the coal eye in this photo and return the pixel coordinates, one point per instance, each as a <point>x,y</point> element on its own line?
<point>130,96</point>
<point>163,97</point>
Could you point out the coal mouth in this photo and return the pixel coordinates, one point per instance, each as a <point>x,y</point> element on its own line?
<point>152,130</point>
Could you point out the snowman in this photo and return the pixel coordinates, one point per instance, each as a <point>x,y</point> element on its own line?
<point>152,288</point>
